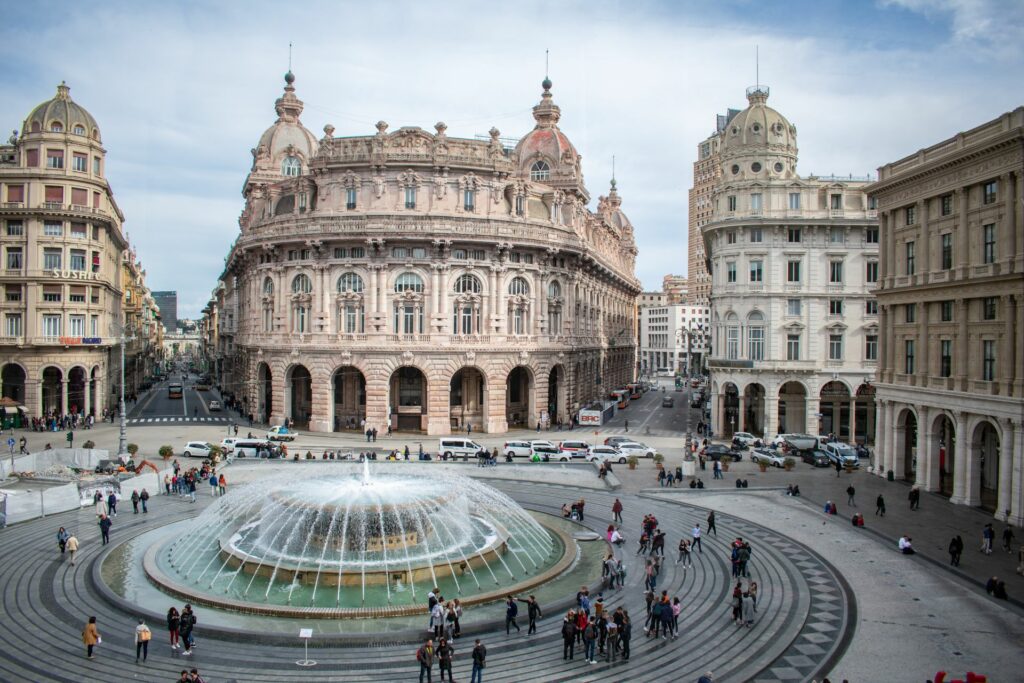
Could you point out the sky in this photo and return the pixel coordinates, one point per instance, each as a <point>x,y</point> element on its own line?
<point>183,90</point>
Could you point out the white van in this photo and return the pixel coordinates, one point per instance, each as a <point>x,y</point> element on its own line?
<point>250,448</point>
<point>454,447</point>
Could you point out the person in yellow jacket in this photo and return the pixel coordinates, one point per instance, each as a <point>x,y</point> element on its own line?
<point>142,637</point>
<point>72,547</point>
<point>90,636</point>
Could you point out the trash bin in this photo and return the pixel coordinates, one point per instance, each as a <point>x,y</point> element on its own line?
<point>689,467</point>
<point>889,476</point>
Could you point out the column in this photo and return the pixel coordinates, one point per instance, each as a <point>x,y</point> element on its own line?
<point>961,345</point>
<point>1004,503</point>
<point>325,295</point>
<point>927,458</point>
<point>884,265</point>
<point>371,292</point>
<point>435,300</point>
<point>539,316</point>
<point>1016,503</point>
<point>923,344</point>
<point>771,413</point>
<point>888,441</point>
<point>924,243</point>
<point>1004,359</point>
<point>741,420</point>
<point>382,292</point>
<point>40,408</point>
<point>495,310</point>
<point>1008,189</point>
<point>963,244</point>
<point>1018,353</point>
<point>960,457</point>
<point>64,397</point>
<point>853,421</point>
<point>87,402</point>
<point>716,411</point>
<point>811,420</point>
<point>883,343</point>
<point>101,393</point>
<point>877,462</point>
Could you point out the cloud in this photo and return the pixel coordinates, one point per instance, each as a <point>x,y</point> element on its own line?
<point>994,26</point>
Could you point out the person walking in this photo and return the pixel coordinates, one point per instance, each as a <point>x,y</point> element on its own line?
<point>617,511</point>
<point>1008,538</point>
<point>135,501</point>
<point>956,548</point>
<point>173,622</point>
<point>880,505</point>
<point>717,470</point>
<point>144,499</point>
<point>62,539</point>
<point>747,610</point>
<point>112,504</point>
<point>105,525</point>
<point>187,623</point>
<point>532,613</point>
<point>425,656</point>
<point>142,637</point>
<point>850,491</point>
<point>914,497</point>
<point>711,523</point>
<point>590,640</point>
<point>91,637</point>
<point>568,635</point>
<point>839,467</point>
<point>696,539</point>
<point>479,661</point>
<point>222,484</point>
<point>511,611</point>
<point>988,534</point>
<point>72,546</point>
<point>445,653</point>
<point>625,634</point>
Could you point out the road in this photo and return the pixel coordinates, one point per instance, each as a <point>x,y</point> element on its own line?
<point>155,407</point>
<point>647,417</point>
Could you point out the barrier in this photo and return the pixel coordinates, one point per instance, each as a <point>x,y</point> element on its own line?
<point>82,458</point>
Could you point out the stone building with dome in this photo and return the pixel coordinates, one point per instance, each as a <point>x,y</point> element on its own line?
<point>793,262</point>
<point>424,282</point>
<point>62,276</point>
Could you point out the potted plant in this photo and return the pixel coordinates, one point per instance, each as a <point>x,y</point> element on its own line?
<point>762,465</point>
<point>166,452</point>
<point>215,453</point>
<point>133,448</point>
<point>789,463</point>
<point>632,461</point>
<point>726,461</point>
<point>659,461</point>
<point>89,444</point>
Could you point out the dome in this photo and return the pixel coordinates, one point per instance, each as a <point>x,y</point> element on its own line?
<point>287,146</point>
<point>758,141</point>
<point>63,112</point>
<point>545,154</point>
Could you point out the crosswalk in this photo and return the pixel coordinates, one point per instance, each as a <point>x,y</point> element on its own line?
<point>177,419</point>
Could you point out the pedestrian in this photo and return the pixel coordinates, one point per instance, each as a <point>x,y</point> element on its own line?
<point>142,637</point>
<point>752,590</point>
<point>167,484</point>
<point>62,539</point>
<point>617,511</point>
<point>611,640</point>
<point>568,635</point>
<point>479,661</point>
<point>696,539</point>
<point>511,611</point>
<point>222,484</point>
<point>956,548</point>
<point>914,497</point>
<point>213,484</point>
<point>850,491</point>
<point>627,426</point>
<point>186,625</point>
<point>173,622</point>
<point>72,546</point>
<point>839,467</point>
<point>112,504</point>
<point>988,534</point>
<point>425,656</point>
<point>625,634</point>
<point>144,498</point>
<point>717,469</point>
<point>711,523</point>
<point>684,553</point>
<point>880,505</point>
<point>1007,538</point>
<point>590,640</point>
<point>747,610</point>
<point>135,501</point>
<point>437,614</point>
<point>91,637</point>
<point>445,653</point>
<point>373,432</point>
<point>105,525</point>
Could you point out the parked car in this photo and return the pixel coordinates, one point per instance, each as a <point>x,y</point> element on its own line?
<point>281,433</point>
<point>542,442</point>
<point>228,445</point>
<point>798,442</point>
<point>213,406</point>
<point>545,452</point>
<point>668,402</point>
<point>202,386</point>
<point>452,447</point>
<point>255,448</point>
<point>616,440</point>
<point>521,449</point>
<point>636,448</point>
<point>768,456</point>
<point>576,448</point>
<point>745,438</point>
<point>197,449</point>
<point>717,452</point>
<point>605,453</point>
<point>815,457</point>
<point>842,453</point>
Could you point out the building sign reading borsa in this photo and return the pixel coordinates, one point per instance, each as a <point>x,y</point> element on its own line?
<point>75,274</point>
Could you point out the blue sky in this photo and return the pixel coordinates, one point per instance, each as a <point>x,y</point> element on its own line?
<point>182,91</point>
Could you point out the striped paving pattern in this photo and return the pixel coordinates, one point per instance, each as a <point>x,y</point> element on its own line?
<point>806,613</point>
<point>153,421</point>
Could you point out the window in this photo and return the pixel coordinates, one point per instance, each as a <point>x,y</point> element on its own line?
<point>350,282</point>
<point>408,282</point>
<point>459,254</point>
<point>94,326</point>
<point>419,252</point>
<point>835,306</point>
<point>835,347</point>
<point>469,200</point>
<point>946,202</point>
<point>730,270</point>
<point>793,271</point>
<point>756,235</point>
<point>910,313</point>
<point>12,325</point>
<point>910,215</point>
<point>837,235</point>
<point>77,295</point>
<point>988,360</point>
<point>989,192</point>
<point>12,293</point>
<point>96,233</point>
<point>268,319</point>
<point>871,347</point>
<point>732,343</point>
<point>78,231</point>
<point>399,252</point>
<point>16,194</point>
<point>871,235</point>
<point>793,306</point>
<point>755,202</point>
<point>945,358</point>
<point>792,347</point>
<point>477,254</point>
<point>731,199</point>
<point>32,158</point>
<point>835,272</point>
<point>408,319</point>
<point>350,198</point>
<point>910,258</point>
<point>988,244</point>
<point>96,166</point>
<point>79,129</point>
<point>352,319</point>
<point>730,237</point>
<point>76,325</point>
<point>52,259</point>
<point>836,202</point>
<point>794,201</point>
<point>81,162</point>
<point>53,228</point>
<point>94,295</point>
<point>54,158</point>
<point>793,235</point>
<point>947,250</point>
<point>357,252</point>
<point>554,289</point>
<point>14,261</point>
<point>988,308</point>
<point>908,357</point>
<point>467,284</point>
<point>56,127</point>
<point>15,229</point>
<point>871,307</point>
<point>946,311</point>
<point>268,287</point>
<point>756,271</point>
<point>291,166</point>
<point>410,197</point>
<point>755,342</point>
<point>77,261</point>
<point>303,201</point>
<point>300,322</point>
<point>540,171</point>
<point>51,326</point>
<point>519,287</point>
<point>302,284</point>
<point>871,271</point>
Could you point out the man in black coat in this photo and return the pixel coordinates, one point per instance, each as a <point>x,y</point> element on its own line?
<point>532,612</point>
<point>568,635</point>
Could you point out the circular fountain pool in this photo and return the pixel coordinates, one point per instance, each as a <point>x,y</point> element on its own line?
<point>357,544</point>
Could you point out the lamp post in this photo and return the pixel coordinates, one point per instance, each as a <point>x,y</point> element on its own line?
<point>122,439</point>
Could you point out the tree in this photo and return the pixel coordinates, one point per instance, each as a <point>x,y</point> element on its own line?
<point>133,448</point>
<point>166,452</point>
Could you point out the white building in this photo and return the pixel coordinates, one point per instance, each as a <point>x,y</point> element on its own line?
<point>672,335</point>
<point>794,262</point>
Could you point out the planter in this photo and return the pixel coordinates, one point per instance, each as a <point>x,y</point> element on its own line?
<point>632,465</point>
<point>763,466</point>
<point>725,467</point>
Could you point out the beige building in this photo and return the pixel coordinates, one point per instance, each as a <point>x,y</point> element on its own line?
<point>675,288</point>
<point>951,292</point>
<point>61,278</point>
<point>424,282</point>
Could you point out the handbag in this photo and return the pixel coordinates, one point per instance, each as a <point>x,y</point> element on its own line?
<point>99,640</point>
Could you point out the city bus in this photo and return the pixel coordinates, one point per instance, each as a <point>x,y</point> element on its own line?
<point>174,390</point>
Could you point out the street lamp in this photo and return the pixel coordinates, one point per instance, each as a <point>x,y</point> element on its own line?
<point>122,439</point>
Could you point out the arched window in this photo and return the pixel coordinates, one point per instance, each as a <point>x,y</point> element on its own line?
<point>56,127</point>
<point>554,289</point>
<point>467,284</point>
<point>268,287</point>
<point>350,282</point>
<point>732,337</point>
<point>79,129</point>
<point>409,282</point>
<point>540,171</point>
<point>302,284</point>
<point>519,286</point>
<point>291,166</point>
<point>755,336</point>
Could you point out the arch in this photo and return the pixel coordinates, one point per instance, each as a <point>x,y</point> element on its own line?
<point>557,395</point>
<point>906,445</point>
<point>77,383</point>
<point>864,415</point>
<point>554,289</point>
<point>51,387</point>
<point>268,286</point>
<point>518,286</point>
<point>350,282</point>
<point>79,129</point>
<point>264,392</point>
<point>302,284</point>
<point>540,171</point>
<point>285,204</point>
<point>729,420</point>
<point>754,395</point>
<point>467,400</point>
<point>291,166</point>
<point>519,399</point>
<point>13,377</point>
<point>835,404</point>
<point>983,472</point>
<point>348,398</point>
<point>407,399</point>
<point>408,282</point>
<point>943,433</point>
<point>467,284</point>
<point>792,408</point>
<point>299,395</point>
<point>56,127</point>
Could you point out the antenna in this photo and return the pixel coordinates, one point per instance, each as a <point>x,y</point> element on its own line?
<point>546,62</point>
<point>289,56</point>
<point>757,64</point>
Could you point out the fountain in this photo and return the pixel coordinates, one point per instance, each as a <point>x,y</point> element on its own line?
<point>342,543</point>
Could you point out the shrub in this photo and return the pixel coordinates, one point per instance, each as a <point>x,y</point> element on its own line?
<point>133,448</point>
<point>88,444</point>
<point>166,452</point>
<point>789,463</point>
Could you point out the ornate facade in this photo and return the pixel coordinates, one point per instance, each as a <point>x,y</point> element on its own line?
<point>422,281</point>
<point>951,292</point>
<point>793,263</point>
